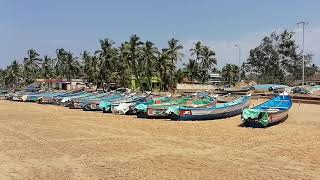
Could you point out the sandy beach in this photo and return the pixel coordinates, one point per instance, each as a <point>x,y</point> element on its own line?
<point>51,142</point>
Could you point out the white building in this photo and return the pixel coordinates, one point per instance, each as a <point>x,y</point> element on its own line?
<point>215,79</point>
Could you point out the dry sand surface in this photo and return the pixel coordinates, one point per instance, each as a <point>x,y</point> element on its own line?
<point>50,142</point>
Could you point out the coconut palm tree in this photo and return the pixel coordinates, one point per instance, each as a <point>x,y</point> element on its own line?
<point>133,57</point>
<point>191,69</point>
<point>31,66</point>
<point>67,66</point>
<point>122,73</point>
<point>72,66</point>
<point>47,68</point>
<point>2,78</point>
<point>163,65</point>
<point>106,56</point>
<point>230,74</point>
<point>179,75</point>
<point>149,57</point>
<point>174,54</point>
<point>88,67</point>
<point>13,72</point>
<point>197,50</point>
<point>208,61</point>
<point>60,66</point>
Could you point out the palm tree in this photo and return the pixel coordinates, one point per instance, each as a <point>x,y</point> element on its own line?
<point>2,78</point>
<point>121,72</point>
<point>196,50</point>
<point>72,66</point>
<point>207,62</point>
<point>106,56</point>
<point>179,75</point>
<point>230,73</point>
<point>47,68</point>
<point>149,57</point>
<point>162,65</point>
<point>88,66</point>
<point>31,66</point>
<point>60,66</point>
<point>174,55</point>
<point>67,66</point>
<point>191,69</point>
<point>133,59</point>
<point>12,75</point>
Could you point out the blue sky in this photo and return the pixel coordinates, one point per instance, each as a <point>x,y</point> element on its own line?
<point>77,25</point>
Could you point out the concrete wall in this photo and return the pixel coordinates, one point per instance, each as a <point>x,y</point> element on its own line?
<point>75,86</point>
<point>195,87</point>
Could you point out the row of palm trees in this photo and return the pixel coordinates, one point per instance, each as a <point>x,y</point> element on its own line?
<point>133,59</point>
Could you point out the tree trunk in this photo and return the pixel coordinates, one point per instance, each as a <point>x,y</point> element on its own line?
<point>161,81</point>
<point>150,83</point>
<point>139,82</point>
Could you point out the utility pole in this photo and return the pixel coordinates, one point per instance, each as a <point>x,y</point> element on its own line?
<point>239,59</point>
<point>303,23</point>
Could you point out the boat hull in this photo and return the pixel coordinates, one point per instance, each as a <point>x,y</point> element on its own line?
<point>274,119</point>
<point>268,113</point>
<point>146,116</point>
<point>213,113</point>
<point>204,117</point>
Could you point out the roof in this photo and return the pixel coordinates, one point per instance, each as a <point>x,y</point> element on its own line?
<point>59,80</point>
<point>315,77</point>
<point>188,81</point>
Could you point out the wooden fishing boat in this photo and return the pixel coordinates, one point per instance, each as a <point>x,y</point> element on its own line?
<point>18,96</point>
<point>159,111</point>
<point>94,105</point>
<point>3,94</point>
<point>103,104</point>
<point>57,98</point>
<point>66,101</point>
<point>126,106</point>
<point>37,96</point>
<point>219,111</point>
<point>108,106</point>
<point>269,113</point>
<point>79,103</point>
<point>141,108</point>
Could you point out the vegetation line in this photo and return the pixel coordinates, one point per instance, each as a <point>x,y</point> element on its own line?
<point>276,60</point>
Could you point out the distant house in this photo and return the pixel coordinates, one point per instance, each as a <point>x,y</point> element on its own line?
<point>189,81</point>
<point>315,79</point>
<point>188,86</point>
<point>215,79</point>
<point>155,83</point>
<point>62,84</point>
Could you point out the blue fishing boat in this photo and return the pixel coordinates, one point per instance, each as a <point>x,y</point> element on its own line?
<point>55,97</point>
<point>37,96</point>
<point>67,100</point>
<point>218,111</point>
<point>127,106</point>
<point>269,113</point>
<point>79,103</point>
<point>101,103</point>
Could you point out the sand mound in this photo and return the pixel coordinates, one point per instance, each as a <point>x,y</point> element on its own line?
<point>241,84</point>
<point>252,83</point>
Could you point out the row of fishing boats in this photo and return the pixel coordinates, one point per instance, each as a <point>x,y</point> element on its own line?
<point>198,106</point>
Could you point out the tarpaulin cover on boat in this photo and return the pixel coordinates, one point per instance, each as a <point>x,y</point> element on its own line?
<point>261,116</point>
<point>143,106</point>
<point>195,103</point>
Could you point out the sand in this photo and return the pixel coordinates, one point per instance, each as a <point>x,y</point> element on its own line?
<point>51,142</point>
